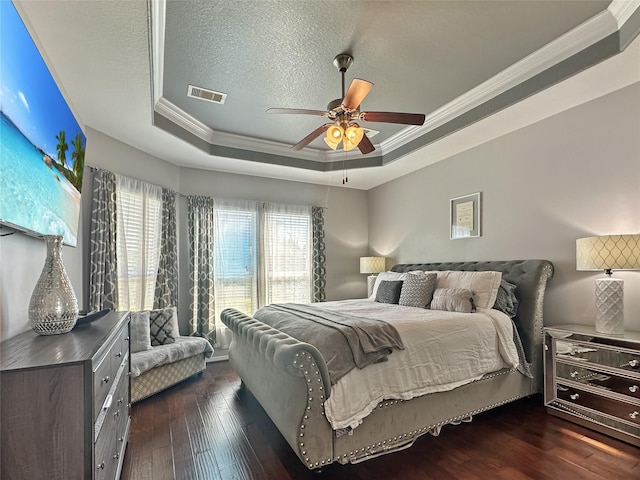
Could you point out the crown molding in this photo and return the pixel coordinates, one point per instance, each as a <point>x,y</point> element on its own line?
<point>192,125</point>
<point>157,12</point>
<point>622,10</point>
<point>572,42</point>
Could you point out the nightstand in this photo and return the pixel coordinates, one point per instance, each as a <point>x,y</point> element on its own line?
<point>593,379</point>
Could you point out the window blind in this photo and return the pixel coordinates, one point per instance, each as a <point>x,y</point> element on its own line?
<point>235,262</point>
<point>138,217</point>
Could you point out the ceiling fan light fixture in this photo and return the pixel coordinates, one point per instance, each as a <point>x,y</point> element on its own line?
<point>354,133</point>
<point>335,133</point>
<point>348,145</point>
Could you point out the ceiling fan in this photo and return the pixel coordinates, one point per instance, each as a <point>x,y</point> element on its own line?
<point>345,112</point>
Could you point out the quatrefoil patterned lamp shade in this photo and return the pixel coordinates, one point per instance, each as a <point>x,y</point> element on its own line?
<point>372,265</point>
<point>609,252</point>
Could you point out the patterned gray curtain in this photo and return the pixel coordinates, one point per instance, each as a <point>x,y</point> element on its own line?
<point>202,304</point>
<point>319,256</point>
<point>166,293</point>
<point>103,288</point>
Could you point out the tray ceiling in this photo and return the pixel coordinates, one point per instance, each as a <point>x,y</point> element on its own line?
<point>126,68</point>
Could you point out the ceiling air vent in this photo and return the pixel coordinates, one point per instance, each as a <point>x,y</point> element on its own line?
<point>204,94</point>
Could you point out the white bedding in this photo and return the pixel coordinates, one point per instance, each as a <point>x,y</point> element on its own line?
<point>443,350</point>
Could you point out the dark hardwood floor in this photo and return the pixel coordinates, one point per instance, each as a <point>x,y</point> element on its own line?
<point>210,428</point>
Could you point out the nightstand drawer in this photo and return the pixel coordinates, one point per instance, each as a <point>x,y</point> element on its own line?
<point>593,353</point>
<point>597,379</point>
<point>621,410</point>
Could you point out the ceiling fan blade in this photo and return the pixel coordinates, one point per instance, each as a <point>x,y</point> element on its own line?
<point>365,145</point>
<point>298,111</point>
<point>311,137</point>
<point>356,93</point>
<point>393,117</point>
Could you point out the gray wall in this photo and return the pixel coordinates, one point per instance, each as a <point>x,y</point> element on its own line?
<point>569,176</point>
<point>572,175</point>
<point>22,257</point>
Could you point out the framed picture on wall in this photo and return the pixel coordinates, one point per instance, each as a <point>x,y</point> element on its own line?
<point>465,216</point>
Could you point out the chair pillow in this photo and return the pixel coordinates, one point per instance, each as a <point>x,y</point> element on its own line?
<point>140,332</point>
<point>164,326</point>
<point>453,300</point>
<point>417,290</point>
<point>389,291</point>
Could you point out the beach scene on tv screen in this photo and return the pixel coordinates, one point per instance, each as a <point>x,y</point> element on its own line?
<point>41,144</point>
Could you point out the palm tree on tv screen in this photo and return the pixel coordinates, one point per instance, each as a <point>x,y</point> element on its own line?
<point>78,157</point>
<point>62,148</point>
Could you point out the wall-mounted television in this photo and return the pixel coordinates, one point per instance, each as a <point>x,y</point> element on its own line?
<point>41,144</point>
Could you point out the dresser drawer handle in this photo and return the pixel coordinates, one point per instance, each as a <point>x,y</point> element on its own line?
<point>126,339</point>
<point>105,379</point>
<point>118,355</point>
<point>101,466</point>
<point>574,374</point>
<point>634,415</point>
<point>634,363</point>
<point>107,402</point>
<point>574,396</point>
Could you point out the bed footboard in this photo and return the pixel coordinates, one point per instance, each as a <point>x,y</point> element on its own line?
<point>290,380</point>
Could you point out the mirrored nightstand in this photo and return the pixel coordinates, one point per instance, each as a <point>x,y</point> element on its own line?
<point>593,379</point>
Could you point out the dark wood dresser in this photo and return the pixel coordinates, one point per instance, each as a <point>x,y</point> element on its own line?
<point>64,402</point>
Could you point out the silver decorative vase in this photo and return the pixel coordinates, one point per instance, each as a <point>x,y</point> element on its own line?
<point>53,308</point>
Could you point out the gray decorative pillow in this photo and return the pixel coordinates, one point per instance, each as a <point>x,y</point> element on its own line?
<point>417,289</point>
<point>389,291</point>
<point>506,300</point>
<point>140,332</point>
<point>453,300</point>
<point>164,326</point>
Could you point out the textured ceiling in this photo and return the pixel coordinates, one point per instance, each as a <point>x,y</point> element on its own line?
<point>423,56</point>
<point>419,55</point>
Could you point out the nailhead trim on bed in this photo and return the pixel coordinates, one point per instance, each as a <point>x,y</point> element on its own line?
<point>312,376</point>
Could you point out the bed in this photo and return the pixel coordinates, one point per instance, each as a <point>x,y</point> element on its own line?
<point>291,379</point>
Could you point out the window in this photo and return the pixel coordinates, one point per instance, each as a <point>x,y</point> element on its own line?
<point>139,221</point>
<point>263,254</point>
<point>235,263</point>
<point>287,260</point>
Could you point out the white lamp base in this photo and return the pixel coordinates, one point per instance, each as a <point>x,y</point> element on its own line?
<point>371,281</point>
<point>609,306</point>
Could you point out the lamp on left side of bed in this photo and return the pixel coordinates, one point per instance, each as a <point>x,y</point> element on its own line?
<point>372,265</point>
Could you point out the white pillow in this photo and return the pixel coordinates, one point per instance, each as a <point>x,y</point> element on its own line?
<point>140,332</point>
<point>386,276</point>
<point>484,285</point>
<point>393,276</point>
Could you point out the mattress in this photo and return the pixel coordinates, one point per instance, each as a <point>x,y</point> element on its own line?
<point>443,350</point>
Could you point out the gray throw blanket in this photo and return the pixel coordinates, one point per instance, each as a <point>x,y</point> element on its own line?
<point>345,341</point>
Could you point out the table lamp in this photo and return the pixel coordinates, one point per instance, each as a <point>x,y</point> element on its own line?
<point>371,265</point>
<point>609,252</point>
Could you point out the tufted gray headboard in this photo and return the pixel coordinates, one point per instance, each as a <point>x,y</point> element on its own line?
<point>530,276</point>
